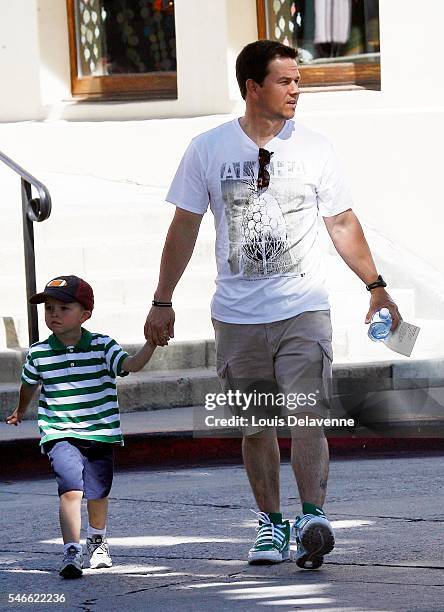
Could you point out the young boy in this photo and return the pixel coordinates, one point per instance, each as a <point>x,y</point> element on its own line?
<point>78,413</point>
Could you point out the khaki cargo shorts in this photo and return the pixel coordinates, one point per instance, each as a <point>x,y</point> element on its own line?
<point>293,358</point>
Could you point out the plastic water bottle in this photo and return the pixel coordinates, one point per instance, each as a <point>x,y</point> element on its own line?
<point>380,325</point>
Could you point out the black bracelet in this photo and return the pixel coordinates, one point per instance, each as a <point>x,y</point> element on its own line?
<point>378,283</point>
<point>162,304</point>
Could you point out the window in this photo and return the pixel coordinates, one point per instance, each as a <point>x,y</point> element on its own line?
<point>122,49</point>
<point>337,40</point>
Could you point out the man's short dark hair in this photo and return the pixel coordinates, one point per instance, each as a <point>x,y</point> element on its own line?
<point>252,62</point>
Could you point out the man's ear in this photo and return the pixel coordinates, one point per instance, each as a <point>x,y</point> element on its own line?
<point>252,87</point>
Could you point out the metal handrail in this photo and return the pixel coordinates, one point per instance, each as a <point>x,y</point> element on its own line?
<point>34,210</point>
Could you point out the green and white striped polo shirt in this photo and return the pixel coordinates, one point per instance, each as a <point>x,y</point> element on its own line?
<point>78,398</point>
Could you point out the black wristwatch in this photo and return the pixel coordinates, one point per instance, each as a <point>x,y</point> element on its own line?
<point>378,283</point>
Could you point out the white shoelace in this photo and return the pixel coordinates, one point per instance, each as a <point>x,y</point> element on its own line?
<point>269,532</point>
<point>265,520</point>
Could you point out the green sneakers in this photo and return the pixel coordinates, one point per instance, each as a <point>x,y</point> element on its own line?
<point>272,543</point>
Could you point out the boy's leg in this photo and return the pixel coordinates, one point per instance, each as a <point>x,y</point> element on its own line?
<point>97,513</point>
<point>70,516</point>
<point>67,463</point>
<point>98,477</point>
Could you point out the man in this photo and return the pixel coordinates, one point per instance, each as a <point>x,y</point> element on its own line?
<point>267,179</point>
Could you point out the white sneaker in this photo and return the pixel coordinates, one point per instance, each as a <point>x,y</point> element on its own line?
<point>98,551</point>
<point>72,563</point>
<point>314,539</point>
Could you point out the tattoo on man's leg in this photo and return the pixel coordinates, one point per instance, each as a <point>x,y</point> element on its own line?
<point>323,484</point>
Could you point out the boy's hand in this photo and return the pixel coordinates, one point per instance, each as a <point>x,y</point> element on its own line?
<point>159,326</point>
<point>15,418</point>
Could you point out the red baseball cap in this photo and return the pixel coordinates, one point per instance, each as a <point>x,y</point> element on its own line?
<point>67,289</point>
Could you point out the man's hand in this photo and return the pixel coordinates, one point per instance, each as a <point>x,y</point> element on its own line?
<point>381,299</point>
<point>15,418</point>
<point>159,326</point>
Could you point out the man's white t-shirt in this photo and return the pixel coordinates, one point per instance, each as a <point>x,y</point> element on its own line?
<point>267,250</point>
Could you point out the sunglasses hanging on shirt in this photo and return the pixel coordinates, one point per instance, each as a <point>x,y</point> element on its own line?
<point>263,176</point>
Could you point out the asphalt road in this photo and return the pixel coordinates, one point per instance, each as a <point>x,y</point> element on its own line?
<point>179,540</point>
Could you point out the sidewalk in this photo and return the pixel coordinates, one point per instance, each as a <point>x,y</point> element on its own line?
<point>179,540</point>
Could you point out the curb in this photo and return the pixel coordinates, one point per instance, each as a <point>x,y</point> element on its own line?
<point>22,459</point>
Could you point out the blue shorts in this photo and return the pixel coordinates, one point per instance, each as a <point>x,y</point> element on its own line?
<point>82,465</point>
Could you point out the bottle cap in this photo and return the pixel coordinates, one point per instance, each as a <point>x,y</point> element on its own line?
<point>384,313</point>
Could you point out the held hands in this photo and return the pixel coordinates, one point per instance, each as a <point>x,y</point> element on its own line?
<point>159,326</point>
<point>15,418</point>
<point>381,299</point>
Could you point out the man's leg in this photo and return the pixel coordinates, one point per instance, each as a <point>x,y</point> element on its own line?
<point>262,463</point>
<point>303,370</point>
<point>309,460</point>
<point>245,363</point>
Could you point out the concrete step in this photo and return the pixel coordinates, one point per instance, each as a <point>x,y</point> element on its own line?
<point>117,290</point>
<point>350,342</point>
<point>75,191</point>
<point>97,221</point>
<point>140,392</point>
<point>178,355</point>
<point>120,281</point>
<point>193,322</point>
<point>95,257</point>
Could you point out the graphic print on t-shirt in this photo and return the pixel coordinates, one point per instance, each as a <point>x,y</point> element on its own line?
<point>268,229</point>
